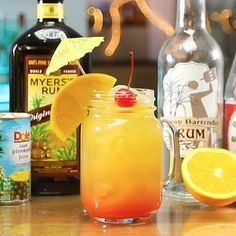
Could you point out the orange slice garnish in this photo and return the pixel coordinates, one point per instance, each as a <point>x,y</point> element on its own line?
<point>69,107</point>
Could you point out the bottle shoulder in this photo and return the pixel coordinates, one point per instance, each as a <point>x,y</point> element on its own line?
<point>185,46</point>
<point>41,35</point>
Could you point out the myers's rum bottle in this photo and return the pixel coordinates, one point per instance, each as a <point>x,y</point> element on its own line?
<point>55,169</point>
<point>190,83</point>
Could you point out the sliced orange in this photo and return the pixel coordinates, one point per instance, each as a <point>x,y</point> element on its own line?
<point>69,107</point>
<point>209,174</point>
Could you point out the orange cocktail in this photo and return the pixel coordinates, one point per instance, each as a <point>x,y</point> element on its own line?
<point>121,159</point>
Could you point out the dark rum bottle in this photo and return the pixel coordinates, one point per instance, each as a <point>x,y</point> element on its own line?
<point>55,168</point>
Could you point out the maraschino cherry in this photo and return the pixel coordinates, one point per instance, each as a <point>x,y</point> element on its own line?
<point>124,97</point>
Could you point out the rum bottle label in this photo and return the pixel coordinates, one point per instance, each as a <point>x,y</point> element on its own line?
<point>49,157</point>
<point>190,102</point>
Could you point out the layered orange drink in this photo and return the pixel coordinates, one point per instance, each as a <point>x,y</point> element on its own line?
<point>121,146</point>
<point>121,158</point>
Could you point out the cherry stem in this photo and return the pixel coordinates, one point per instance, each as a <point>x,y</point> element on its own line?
<point>131,54</point>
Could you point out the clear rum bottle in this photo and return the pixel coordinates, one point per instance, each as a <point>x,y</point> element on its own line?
<point>55,169</point>
<point>190,84</point>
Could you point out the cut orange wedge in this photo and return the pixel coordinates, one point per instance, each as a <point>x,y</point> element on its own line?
<point>69,107</point>
<point>209,174</point>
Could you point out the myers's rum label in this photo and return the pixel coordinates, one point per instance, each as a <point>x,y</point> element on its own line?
<point>49,158</point>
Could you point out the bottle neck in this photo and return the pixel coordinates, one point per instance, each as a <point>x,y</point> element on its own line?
<point>191,14</point>
<point>50,12</point>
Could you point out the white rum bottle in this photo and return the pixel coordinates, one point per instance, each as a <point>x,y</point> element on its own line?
<point>190,84</point>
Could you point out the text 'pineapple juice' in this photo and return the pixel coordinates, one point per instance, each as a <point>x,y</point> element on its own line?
<point>15,165</point>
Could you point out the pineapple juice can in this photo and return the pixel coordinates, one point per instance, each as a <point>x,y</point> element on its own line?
<point>15,165</point>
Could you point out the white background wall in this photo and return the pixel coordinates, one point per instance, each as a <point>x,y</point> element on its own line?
<point>156,37</point>
<point>76,17</point>
<point>75,11</point>
<point>145,41</point>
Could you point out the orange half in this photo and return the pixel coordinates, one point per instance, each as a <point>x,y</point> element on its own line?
<point>209,174</point>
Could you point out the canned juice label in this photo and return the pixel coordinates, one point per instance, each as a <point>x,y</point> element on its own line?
<point>14,159</point>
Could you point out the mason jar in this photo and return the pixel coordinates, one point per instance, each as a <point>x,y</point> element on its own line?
<point>122,159</point>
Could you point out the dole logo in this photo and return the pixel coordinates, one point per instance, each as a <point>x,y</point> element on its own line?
<point>22,136</point>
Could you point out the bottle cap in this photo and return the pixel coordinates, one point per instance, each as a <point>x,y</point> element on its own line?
<point>50,1</point>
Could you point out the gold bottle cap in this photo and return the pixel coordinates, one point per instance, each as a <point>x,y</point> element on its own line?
<point>50,11</point>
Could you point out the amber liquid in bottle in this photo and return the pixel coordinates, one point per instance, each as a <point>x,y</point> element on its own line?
<point>55,169</point>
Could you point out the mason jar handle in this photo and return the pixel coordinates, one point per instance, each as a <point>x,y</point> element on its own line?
<point>175,160</point>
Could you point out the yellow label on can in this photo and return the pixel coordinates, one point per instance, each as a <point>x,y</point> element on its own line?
<point>53,11</point>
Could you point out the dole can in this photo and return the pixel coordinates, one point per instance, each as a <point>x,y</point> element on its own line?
<point>15,152</point>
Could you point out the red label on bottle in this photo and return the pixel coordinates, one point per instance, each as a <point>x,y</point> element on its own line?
<point>230,125</point>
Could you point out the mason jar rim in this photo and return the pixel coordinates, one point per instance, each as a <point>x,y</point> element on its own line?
<point>106,99</point>
<point>142,94</point>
